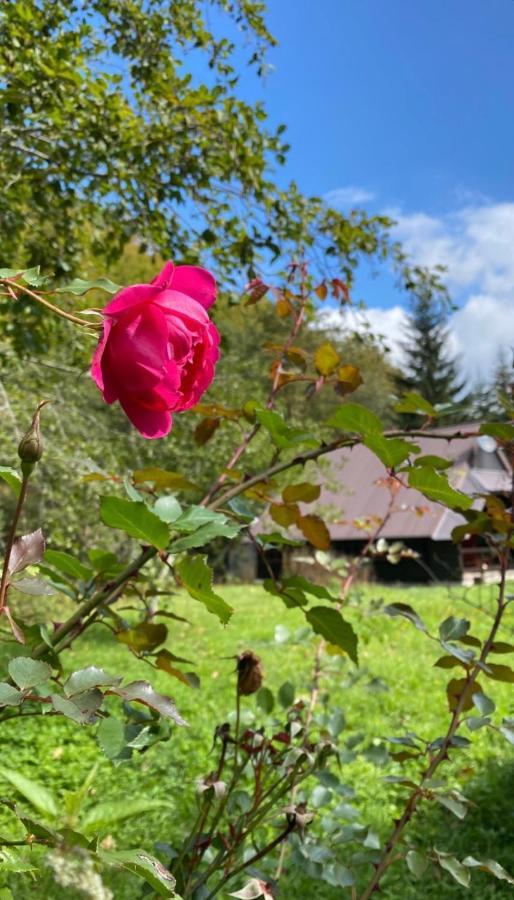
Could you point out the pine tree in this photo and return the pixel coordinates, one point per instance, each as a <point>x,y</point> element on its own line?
<point>493,401</point>
<point>430,368</point>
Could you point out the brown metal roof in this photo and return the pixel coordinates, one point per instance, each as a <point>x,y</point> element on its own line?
<point>354,497</point>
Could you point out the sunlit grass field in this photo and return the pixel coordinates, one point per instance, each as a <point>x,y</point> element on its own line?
<point>394,690</point>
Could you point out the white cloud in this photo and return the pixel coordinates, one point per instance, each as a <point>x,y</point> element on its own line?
<point>476,245</point>
<point>348,196</point>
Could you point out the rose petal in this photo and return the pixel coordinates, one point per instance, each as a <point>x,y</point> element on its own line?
<point>195,282</point>
<point>151,423</point>
<point>164,278</point>
<point>137,351</point>
<point>131,297</point>
<point>183,306</point>
<point>101,374</point>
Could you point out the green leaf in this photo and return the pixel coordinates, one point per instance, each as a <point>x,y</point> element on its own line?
<point>135,519</point>
<point>34,587</point>
<point>82,709</point>
<point>163,480</point>
<point>432,462</point>
<point>142,692</point>
<point>484,704</point>
<point>452,629</point>
<point>196,517</point>
<point>455,806</point>
<point>412,402</point>
<point>490,866</point>
<point>144,866</point>
<point>81,286</point>
<point>356,419</point>
<point>167,508</point>
<point>35,793</point>
<point>416,863</point>
<point>205,535</point>
<point>407,612</point>
<point>12,478</point>
<point>27,672</point>
<point>265,700</point>
<point>111,737</point>
<point>390,451</point>
<point>330,624</point>
<point>144,636</point>
<point>282,434</point>
<point>454,867</point>
<point>90,677</point>
<point>67,564</point>
<point>308,587</point>
<point>9,696</point>
<point>436,487</point>
<point>500,673</point>
<point>321,796</point>
<point>103,815</point>
<point>286,694</point>
<point>196,577</point>
<point>500,430</point>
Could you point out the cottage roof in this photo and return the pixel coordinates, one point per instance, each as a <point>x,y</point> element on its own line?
<point>354,495</point>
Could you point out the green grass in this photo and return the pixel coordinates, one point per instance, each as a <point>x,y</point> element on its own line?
<point>395,689</point>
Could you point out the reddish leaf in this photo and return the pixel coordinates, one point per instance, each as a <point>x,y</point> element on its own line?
<point>256,290</point>
<point>27,550</point>
<point>142,692</point>
<point>205,430</point>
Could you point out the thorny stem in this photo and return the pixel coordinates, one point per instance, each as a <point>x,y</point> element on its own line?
<point>417,794</point>
<point>4,583</point>
<point>13,286</point>
<point>253,859</point>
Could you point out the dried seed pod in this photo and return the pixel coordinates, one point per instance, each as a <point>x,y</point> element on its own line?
<point>249,673</point>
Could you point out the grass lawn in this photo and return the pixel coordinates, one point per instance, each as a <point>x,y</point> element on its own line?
<point>394,690</point>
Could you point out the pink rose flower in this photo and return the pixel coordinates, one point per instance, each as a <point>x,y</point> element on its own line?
<point>159,347</point>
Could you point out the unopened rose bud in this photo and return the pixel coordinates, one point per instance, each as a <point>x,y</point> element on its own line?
<point>30,449</point>
<point>249,673</point>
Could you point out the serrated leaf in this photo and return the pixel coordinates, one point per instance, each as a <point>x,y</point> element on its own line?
<point>143,692</point>
<point>390,451</point>
<point>282,434</point>
<point>82,709</point>
<point>330,624</point>
<point>144,865</point>
<point>326,359</point>
<point>436,487</point>
<point>205,535</point>
<point>90,677</point>
<point>67,564</point>
<point>135,519</point>
<point>27,550</point>
<point>12,478</point>
<point>35,587</point>
<point>81,286</point>
<point>412,402</point>
<point>9,695</point>
<point>196,577</point>
<point>27,672</point>
<point>356,419</point>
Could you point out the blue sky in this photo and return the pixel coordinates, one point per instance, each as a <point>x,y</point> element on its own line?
<point>407,107</point>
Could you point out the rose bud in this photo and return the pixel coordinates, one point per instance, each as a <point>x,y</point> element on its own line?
<point>30,448</point>
<point>159,348</point>
<point>249,673</point>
